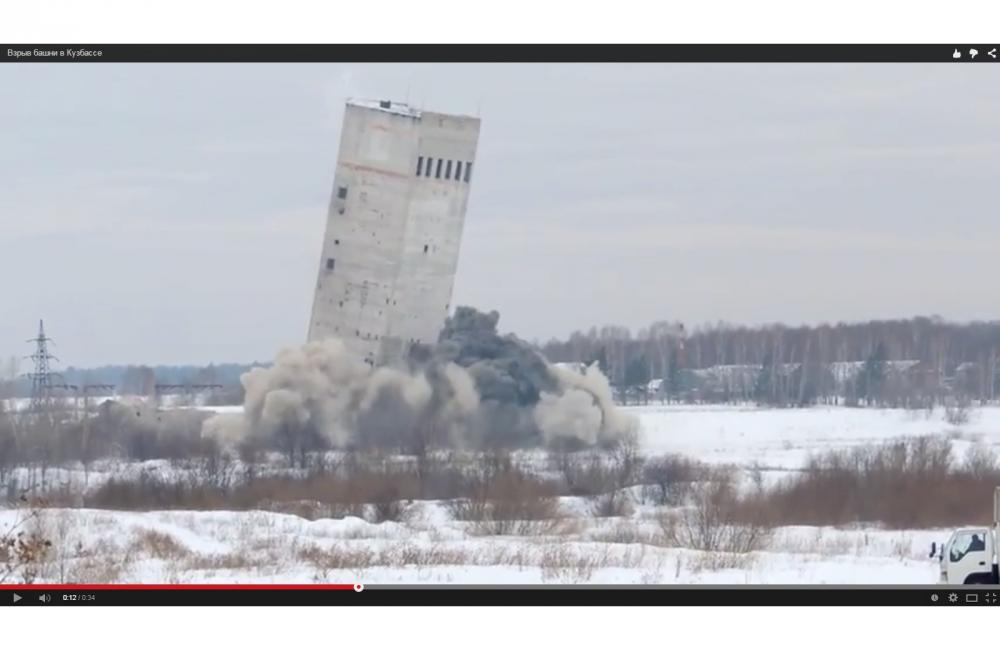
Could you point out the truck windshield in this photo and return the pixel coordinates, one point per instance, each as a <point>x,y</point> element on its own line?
<point>966,543</point>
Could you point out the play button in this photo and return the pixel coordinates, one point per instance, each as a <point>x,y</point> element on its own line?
<point>16,598</point>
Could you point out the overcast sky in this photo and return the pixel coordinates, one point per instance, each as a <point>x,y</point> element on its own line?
<point>174,213</point>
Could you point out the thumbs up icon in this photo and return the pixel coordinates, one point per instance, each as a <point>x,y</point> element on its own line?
<point>956,54</point>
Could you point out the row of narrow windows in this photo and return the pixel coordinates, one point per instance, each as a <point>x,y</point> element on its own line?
<point>436,166</point>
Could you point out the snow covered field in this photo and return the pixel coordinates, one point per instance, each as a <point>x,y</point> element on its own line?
<point>430,546</point>
<point>782,439</point>
<point>265,547</point>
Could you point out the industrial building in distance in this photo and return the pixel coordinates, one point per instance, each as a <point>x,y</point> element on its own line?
<point>394,228</point>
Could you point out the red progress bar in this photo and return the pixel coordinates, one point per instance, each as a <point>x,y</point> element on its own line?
<point>82,587</point>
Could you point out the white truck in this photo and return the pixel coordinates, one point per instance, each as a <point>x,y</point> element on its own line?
<point>969,557</point>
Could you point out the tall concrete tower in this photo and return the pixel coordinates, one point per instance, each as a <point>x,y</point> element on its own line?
<point>394,227</point>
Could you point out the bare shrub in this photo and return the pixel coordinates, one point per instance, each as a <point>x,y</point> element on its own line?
<point>716,520</point>
<point>150,491</point>
<point>598,472</point>
<point>615,503</point>
<point>957,412</point>
<point>507,501</point>
<point>668,479</point>
<point>909,483</point>
<point>24,548</point>
<point>980,462</point>
<point>386,487</point>
<point>386,508</point>
<point>626,461</point>
<point>585,474</point>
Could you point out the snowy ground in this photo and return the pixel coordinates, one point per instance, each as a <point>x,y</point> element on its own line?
<point>782,439</point>
<point>265,547</point>
<point>430,546</point>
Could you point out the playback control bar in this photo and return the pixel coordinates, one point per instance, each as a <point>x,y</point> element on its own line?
<point>483,595</point>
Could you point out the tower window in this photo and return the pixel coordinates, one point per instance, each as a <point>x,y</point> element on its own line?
<point>425,248</point>
<point>468,171</point>
<point>437,172</point>
<point>458,170</point>
<point>429,167</point>
<point>342,192</point>
<point>329,263</point>
<point>336,242</point>
<point>447,171</point>
<point>420,164</point>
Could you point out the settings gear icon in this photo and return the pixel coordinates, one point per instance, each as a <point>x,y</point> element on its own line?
<point>953,597</point>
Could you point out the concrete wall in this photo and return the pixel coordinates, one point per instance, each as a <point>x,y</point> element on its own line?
<point>392,239</point>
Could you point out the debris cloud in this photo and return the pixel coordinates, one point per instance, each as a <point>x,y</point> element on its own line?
<point>474,389</point>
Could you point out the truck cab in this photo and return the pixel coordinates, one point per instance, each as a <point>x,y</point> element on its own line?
<point>969,557</point>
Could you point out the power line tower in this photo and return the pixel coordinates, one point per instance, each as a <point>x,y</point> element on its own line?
<point>41,378</point>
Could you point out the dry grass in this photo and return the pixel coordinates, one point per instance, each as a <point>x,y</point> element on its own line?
<point>910,483</point>
<point>103,561</point>
<point>378,490</point>
<point>158,545</point>
<point>560,563</point>
<point>98,570</point>
<point>403,555</point>
<point>235,560</point>
<point>718,561</point>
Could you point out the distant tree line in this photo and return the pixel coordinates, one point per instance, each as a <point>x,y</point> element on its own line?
<point>133,379</point>
<point>915,362</point>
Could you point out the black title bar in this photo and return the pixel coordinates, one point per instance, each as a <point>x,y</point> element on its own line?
<point>500,53</point>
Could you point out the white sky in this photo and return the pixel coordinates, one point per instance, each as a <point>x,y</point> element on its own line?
<point>174,213</point>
